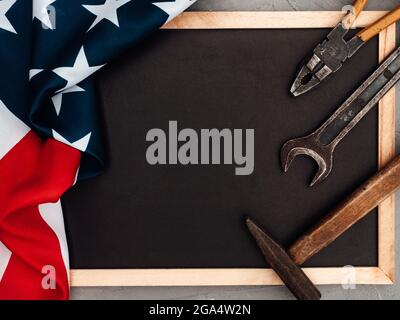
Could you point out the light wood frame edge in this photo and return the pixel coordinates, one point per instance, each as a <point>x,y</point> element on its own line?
<point>384,273</point>
<point>266,19</point>
<point>217,277</point>
<point>387,151</point>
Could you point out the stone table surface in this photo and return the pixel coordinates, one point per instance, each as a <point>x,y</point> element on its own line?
<point>260,292</point>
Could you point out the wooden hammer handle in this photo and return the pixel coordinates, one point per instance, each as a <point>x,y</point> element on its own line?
<point>371,31</point>
<point>355,207</point>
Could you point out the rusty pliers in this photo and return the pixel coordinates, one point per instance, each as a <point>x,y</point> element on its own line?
<point>329,56</point>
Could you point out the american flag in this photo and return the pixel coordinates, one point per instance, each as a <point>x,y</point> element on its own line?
<point>50,134</point>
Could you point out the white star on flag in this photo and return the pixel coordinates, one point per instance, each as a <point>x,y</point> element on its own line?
<point>5,256</point>
<point>108,11</point>
<point>80,144</point>
<point>78,72</point>
<point>12,130</point>
<point>173,8</point>
<point>5,6</point>
<point>34,72</point>
<point>40,11</point>
<point>57,99</point>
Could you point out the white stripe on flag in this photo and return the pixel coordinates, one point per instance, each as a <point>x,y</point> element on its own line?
<point>12,130</point>
<point>52,214</point>
<point>5,256</point>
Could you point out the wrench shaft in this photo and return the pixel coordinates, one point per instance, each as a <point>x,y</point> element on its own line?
<point>321,144</point>
<point>360,103</point>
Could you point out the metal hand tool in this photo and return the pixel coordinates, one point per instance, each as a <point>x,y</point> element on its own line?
<point>349,212</point>
<point>329,56</point>
<point>321,144</point>
<point>279,260</point>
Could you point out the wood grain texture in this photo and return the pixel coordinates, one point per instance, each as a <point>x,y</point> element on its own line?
<point>359,6</point>
<point>380,25</point>
<point>216,277</point>
<point>387,137</point>
<point>348,213</point>
<point>370,194</point>
<point>267,20</point>
<point>384,274</point>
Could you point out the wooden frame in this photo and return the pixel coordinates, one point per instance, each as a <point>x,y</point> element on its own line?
<point>384,273</point>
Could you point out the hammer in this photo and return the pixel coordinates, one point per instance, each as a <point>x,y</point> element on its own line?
<point>286,262</point>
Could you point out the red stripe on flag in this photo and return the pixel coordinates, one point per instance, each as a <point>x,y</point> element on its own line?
<point>34,172</point>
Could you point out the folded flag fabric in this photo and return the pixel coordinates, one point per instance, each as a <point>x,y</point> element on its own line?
<point>50,132</point>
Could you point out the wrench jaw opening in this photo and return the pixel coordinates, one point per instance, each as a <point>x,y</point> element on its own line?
<point>302,146</point>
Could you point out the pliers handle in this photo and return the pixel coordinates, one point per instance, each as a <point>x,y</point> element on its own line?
<point>372,30</point>
<point>380,25</point>
<point>351,16</point>
<point>329,56</point>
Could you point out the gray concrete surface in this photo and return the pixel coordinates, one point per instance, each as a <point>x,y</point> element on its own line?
<point>277,293</point>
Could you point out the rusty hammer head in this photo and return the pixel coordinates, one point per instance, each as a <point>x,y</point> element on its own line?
<point>280,261</point>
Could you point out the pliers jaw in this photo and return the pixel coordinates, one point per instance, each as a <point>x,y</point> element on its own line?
<point>327,58</point>
<point>309,76</point>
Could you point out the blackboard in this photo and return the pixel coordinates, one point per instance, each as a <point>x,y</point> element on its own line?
<point>138,216</point>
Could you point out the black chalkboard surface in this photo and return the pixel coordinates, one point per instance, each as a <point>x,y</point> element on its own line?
<point>173,216</point>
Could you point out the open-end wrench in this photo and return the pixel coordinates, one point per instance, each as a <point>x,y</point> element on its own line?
<point>321,144</point>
